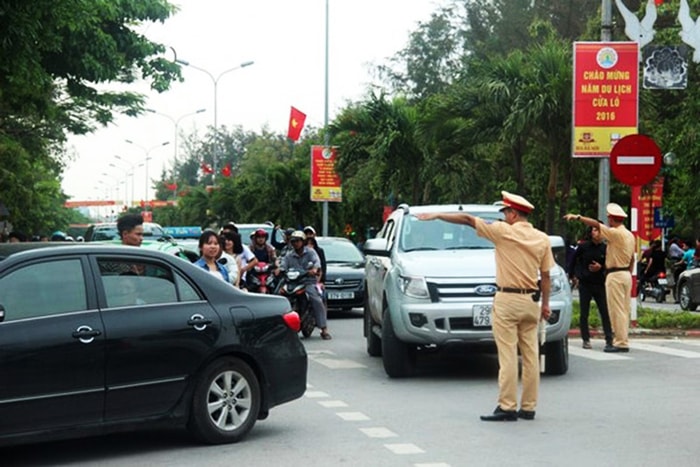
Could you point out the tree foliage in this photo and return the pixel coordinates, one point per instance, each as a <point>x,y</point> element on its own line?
<point>55,58</point>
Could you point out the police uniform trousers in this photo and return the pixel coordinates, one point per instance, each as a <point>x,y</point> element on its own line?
<point>618,289</point>
<point>515,320</point>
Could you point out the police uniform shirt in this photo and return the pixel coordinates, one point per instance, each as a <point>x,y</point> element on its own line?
<point>521,251</point>
<point>620,246</point>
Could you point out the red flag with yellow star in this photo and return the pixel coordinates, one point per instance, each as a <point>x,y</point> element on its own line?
<point>296,124</point>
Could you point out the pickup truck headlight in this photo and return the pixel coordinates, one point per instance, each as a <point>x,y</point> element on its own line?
<point>557,284</point>
<point>413,286</point>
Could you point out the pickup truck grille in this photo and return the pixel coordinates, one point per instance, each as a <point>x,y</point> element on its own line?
<point>457,290</point>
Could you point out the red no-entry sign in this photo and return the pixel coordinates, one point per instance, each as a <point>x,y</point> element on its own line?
<point>635,160</point>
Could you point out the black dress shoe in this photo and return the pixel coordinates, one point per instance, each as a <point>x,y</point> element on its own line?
<point>613,349</point>
<point>526,414</point>
<point>500,415</point>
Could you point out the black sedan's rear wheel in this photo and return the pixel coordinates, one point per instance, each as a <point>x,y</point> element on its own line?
<point>226,402</point>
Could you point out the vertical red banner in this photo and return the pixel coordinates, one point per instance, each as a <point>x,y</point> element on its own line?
<point>606,96</point>
<point>325,182</point>
<point>645,199</point>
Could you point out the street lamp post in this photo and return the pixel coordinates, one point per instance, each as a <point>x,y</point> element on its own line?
<point>176,123</point>
<point>126,180</point>
<point>215,81</point>
<point>132,171</point>
<point>147,151</point>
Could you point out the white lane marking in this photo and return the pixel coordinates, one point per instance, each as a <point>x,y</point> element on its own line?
<point>316,394</point>
<point>353,416</point>
<point>327,359</point>
<point>337,364</point>
<point>404,448</point>
<point>665,350</point>
<point>596,354</point>
<point>379,432</point>
<point>332,404</point>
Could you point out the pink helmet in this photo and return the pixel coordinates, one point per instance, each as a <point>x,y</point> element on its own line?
<point>260,233</point>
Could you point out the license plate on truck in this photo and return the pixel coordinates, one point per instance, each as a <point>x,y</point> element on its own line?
<point>481,315</point>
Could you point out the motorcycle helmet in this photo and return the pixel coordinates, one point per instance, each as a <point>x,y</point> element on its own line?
<point>58,236</point>
<point>298,234</point>
<point>260,233</point>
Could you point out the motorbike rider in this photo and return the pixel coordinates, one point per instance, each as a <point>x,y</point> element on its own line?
<point>284,246</point>
<point>304,258</point>
<point>261,249</point>
<point>656,262</point>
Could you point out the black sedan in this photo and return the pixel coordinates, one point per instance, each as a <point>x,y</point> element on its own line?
<point>345,275</point>
<point>97,338</point>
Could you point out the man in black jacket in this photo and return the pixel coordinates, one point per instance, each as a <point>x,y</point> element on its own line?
<point>589,271</point>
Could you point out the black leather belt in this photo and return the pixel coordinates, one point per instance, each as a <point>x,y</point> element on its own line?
<point>515,290</point>
<point>609,270</point>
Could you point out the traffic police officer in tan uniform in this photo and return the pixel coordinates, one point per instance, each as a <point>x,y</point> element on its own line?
<point>521,251</point>
<point>619,264</point>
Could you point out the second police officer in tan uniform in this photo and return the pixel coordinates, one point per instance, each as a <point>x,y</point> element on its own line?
<point>521,251</point>
<point>619,262</point>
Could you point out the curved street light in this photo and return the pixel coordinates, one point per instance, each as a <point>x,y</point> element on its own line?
<point>215,81</point>
<point>147,151</point>
<point>176,123</point>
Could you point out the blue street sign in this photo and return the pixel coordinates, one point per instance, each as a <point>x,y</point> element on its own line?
<point>661,222</point>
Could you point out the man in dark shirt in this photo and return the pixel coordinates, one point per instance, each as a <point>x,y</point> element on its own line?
<point>589,271</point>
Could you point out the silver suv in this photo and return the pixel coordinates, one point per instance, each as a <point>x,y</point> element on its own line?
<point>430,284</point>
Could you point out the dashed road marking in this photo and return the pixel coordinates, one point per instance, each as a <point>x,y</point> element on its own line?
<point>378,432</point>
<point>338,364</point>
<point>664,350</point>
<point>595,354</point>
<point>316,394</point>
<point>406,448</point>
<point>327,358</point>
<point>353,416</point>
<point>332,404</point>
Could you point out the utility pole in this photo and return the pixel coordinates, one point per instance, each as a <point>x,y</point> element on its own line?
<point>604,162</point>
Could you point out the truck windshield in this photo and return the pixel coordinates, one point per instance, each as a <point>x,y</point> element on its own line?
<point>440,235</point>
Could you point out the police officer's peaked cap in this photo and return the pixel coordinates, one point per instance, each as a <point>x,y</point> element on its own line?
<point>614,210</point>
<point>516,202</point>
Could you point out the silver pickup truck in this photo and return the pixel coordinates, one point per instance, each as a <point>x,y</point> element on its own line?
<point>430,284</point>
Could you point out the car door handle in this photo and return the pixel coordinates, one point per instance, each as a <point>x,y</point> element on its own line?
<point>198,322</point>
<point>85,334</point>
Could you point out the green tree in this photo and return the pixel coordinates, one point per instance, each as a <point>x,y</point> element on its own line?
<point>55,57</point>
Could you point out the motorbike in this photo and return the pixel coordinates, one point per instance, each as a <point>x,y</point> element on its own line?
<point>293,287</point>
<point>260,279</point>
<point>655,287</point>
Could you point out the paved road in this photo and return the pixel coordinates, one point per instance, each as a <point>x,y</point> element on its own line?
<point>637,409</point>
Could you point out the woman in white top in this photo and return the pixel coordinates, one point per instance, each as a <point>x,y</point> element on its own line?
<point>245,258</point>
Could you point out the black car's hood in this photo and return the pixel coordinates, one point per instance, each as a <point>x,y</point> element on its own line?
<point>346,270</point>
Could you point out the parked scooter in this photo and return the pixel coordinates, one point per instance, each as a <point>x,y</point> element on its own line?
<point>293,287</point>
<point>260,279</point>
<point>655,287</point>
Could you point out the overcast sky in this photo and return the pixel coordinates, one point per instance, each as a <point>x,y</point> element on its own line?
<point>284,38</point>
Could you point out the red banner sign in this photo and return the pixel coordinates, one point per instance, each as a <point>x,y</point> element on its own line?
<point>325,182</point>
<point>645,199</point>
<point>606,95</point>
<point>89,203</point>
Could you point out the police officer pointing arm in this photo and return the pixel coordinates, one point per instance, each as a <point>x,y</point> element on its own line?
<point>521,253</point>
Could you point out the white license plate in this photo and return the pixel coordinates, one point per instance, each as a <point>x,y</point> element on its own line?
<point>481,315</point>
<point>663,281</point>
<point>341,295</point>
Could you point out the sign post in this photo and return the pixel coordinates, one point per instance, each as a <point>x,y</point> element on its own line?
<point>635,160</point>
